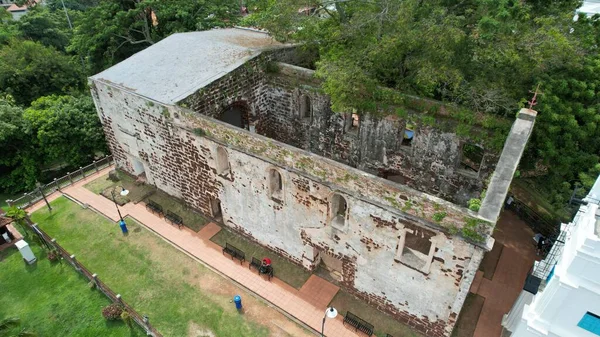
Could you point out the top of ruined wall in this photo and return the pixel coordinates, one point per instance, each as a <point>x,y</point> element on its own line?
<point>183,63</point>
<point>485,129</point>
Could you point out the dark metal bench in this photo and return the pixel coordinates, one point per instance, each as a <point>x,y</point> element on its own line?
<point>154,207</point>
<point>174,219</point>
<point>359,324</point>
<point>256,263</point>
<point>234,252</point>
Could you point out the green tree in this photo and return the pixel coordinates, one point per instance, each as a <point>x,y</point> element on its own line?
<point>67,129</point>
<point>29,70</point>
<point>42,25</point>
<point>116,29</point>
<point>20,161</point>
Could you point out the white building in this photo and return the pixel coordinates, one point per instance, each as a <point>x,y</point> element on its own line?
<point>561,297</point>
<point>590,7</point>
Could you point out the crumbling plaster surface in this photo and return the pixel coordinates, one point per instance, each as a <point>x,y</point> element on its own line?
<point>183,164</point>
<point>431,164</point>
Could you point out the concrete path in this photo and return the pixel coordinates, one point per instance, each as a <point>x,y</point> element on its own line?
<point>307,305</point>
<point>503,289</point>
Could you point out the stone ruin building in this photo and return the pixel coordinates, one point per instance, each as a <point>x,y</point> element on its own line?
<point>229,122</point>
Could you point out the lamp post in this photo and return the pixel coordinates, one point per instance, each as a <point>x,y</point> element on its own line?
<point>39,186</point>
<point>329,313</point>
<point>123,193</point>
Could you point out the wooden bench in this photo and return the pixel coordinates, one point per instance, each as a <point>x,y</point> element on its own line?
<point>234,252</point>
<point>154,207</point>
<point>174,219</point>
<point>359,324</point>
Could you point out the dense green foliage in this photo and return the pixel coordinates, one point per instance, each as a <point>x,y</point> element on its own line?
<point>29,70</point>
<point>484,55</point>
<point>114,30</point>
<point>55,129</point>
<point>66,128</point>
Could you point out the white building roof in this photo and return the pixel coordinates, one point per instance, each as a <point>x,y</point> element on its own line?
<point>590,7</point>
<point>180,64</point>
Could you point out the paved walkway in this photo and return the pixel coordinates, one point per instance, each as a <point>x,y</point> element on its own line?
<point>307,304</point>
<point>503,289</point>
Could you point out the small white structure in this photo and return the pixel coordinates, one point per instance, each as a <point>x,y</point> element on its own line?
<point>25,251</point>
<point>561,297</point>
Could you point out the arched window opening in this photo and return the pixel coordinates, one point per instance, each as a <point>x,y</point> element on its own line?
<point>275,185</point>
<point>339,208</point>
<point>305,107</point>
<point>222,161</point>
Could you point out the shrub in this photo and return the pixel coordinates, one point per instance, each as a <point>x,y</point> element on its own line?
<point>475,204</point>
<point>199,132</point>
<point>112,312</point>
<point>439,216</point>
<point>53,256</point>
<point>126,317</point>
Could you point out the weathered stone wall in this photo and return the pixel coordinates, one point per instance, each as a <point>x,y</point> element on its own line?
<point>431,164</point>
<point>178,151</point>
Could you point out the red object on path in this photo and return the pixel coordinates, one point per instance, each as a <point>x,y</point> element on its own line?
<point>267,261</point>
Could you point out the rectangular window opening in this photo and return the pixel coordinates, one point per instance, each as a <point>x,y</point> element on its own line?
<point>472,156</point>
<point>415,252</point>
<point>409,135</point>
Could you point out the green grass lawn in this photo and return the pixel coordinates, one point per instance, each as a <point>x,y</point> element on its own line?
<point>52,299</point>
<point>285,270</point>
<point>384,324</point>
<point>178,294</point>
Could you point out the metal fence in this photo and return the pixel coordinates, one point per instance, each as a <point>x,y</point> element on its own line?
<point>140,320</point>
<point>550,228</point>
<point>57,184</point>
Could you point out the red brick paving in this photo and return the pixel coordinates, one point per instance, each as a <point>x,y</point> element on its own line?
<point>515,262</point>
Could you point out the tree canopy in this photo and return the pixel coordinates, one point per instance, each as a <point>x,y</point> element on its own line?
<point>485,55</point>
<point>29,70</point>
<point>116,29</point>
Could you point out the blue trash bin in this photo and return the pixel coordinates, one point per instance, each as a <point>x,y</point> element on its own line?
<point>237,299</point>
<point>123,226</point>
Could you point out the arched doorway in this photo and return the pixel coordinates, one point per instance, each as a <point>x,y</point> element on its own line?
<point>236,114</point>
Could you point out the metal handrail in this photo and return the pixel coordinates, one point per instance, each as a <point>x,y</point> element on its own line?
<point>57,184</point>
